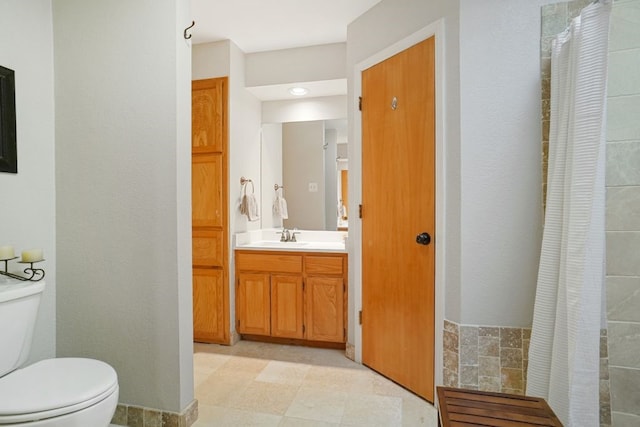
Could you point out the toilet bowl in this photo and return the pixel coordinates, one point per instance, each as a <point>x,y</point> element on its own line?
<point>64,392</point>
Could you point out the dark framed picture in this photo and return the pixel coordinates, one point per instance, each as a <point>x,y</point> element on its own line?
<point>8,151</point>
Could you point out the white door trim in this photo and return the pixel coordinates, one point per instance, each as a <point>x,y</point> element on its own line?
<point>355,166</point>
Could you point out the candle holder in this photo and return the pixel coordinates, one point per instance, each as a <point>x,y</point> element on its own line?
<point>33,274</point>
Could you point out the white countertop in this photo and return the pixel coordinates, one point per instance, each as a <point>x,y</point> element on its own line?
<point>306,241</point>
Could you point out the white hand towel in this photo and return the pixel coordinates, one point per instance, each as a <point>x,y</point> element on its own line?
<point>280,207</point>
<point>284,213</point>
<point>243,205</point>
<point>252,208</point>
<point>249,204</point>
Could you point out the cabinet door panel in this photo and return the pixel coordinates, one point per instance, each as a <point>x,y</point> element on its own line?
<point>207,248</point>
<point>286,306</point>
<point>208,305</point>
<point>253,304</point>
<point>207,191</point>
<point>208,123</point>
<point>325,309</point>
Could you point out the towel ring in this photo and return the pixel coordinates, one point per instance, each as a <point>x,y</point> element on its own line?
<point>277,187</point>
<point>243,182</point>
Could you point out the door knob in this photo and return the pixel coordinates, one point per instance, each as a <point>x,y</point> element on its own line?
<point>423,238</point>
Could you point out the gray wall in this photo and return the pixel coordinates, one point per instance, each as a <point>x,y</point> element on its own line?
<point>330,180</point>
<point>27,216</point>
<point>501,216</point>
<point>623,213</point>
<point>271,172</point>
<point>123,173</point>
<point>302,164</point>
<point>491,148</point>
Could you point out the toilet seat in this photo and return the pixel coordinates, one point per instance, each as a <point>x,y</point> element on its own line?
<point>54,387</point>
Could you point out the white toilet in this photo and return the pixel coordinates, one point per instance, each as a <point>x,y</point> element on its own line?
<point>65,392</point>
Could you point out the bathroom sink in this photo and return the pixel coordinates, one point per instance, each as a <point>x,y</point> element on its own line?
<point>278,244</point>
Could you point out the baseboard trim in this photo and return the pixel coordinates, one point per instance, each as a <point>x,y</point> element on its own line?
<point>137,416</point>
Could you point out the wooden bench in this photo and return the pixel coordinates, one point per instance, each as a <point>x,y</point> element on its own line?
<point>465,408</point>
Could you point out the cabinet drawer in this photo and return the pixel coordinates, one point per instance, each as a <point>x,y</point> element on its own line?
<point>269,262</point>
<point>323,265</point>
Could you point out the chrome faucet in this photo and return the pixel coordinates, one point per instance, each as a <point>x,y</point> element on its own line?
<point>285,236</point>
<point>293,235</point>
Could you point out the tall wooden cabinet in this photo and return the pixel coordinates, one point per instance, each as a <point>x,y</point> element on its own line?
<point>210,210</point>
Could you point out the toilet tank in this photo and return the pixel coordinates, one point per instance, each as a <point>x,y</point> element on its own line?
<point>19,303</point>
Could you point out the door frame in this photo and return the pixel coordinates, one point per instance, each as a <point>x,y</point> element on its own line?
<point>355,187</point>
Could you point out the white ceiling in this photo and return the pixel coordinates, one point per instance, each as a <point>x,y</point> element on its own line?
<point>261,25</point>
<point>317,88</point>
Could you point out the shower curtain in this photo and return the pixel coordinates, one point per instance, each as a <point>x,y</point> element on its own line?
<point>564,351</point>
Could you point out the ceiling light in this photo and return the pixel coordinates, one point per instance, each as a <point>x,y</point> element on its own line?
<point>298,91</point>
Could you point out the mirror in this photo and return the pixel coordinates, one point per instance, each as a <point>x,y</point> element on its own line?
<point>309,160</point>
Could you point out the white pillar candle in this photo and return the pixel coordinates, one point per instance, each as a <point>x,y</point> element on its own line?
<point>6,252</point>
<point>32,255</point>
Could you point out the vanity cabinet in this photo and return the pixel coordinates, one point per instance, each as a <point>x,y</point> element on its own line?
<point>287,295</point>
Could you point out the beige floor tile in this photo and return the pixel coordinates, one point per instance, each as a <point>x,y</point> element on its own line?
<point>328,357</point>
<point>199,376</point>
<point>372,410</point>
<point>217,390</point>
<point>204,364</point>
<point>318,404</point>
<point>362,384</point>
<point>207,359</point>
<point>385,387</point>
<point>210,362</point>
<point>228,417</point>
<point>254,383</point>
<point>338,379</point>
<point>264,397</point>
<point>301,422</point>
<point>283,373</point>
<point>417,412</point>
<point>242,366</point>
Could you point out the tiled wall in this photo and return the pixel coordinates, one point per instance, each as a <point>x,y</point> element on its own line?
<point>555,19</point>
<point>492,358</point>
<point>451,352</point>
<point>486,358</point>
<point>623,213</point>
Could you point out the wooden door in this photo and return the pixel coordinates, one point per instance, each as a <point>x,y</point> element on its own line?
<point>398,204</point>
<point>209,197</point>
<point>253,304</point>
<point>325,309</point>
<point>344,189</point>
<point>287,306</point>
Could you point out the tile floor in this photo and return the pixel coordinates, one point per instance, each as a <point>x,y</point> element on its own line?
<point>260,384</point>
